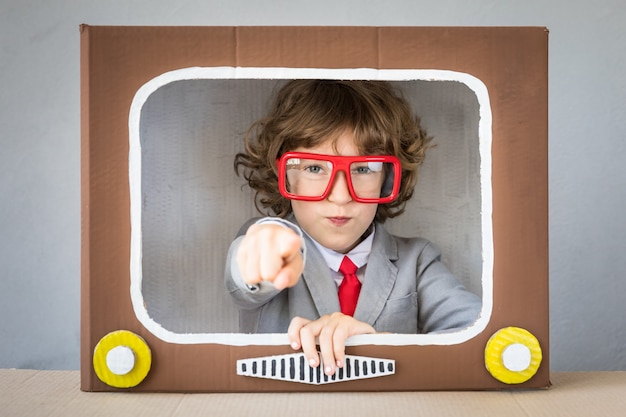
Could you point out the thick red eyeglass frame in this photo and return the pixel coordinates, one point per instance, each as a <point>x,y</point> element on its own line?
<point>340,163</point>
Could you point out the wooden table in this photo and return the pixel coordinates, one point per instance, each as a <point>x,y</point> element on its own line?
<point>56,393</point>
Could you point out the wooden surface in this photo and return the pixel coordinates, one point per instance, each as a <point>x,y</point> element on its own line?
<point>57,393</point>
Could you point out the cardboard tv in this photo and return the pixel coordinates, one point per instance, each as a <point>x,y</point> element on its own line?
<point>164,111</point>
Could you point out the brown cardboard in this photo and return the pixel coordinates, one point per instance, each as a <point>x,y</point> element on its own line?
<point>511,62</point>
<point>55,393</point>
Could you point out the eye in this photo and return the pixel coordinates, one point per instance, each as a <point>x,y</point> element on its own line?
<point>363,170</point>
<point>313,169</point>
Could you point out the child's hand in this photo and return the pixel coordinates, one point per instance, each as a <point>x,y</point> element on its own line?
<point>270,252</point>
<point>332,331</point>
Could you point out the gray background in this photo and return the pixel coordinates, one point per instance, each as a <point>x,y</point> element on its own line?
<point>40,155</point>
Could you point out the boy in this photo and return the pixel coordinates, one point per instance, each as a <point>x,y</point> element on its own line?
<point>332,161</point>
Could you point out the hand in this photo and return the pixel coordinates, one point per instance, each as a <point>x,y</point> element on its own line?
<point>270,252</point>
<point>332,331</point>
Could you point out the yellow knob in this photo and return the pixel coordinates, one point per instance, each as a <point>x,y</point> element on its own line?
<point>122,359</point>
<point>513,355</point>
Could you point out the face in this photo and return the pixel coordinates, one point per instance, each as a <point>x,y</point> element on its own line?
<point>337,222</point>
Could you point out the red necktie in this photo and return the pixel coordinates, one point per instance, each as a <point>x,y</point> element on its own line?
<point>349,288</point>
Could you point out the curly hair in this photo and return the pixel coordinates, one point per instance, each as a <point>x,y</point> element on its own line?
<point>307,113</point>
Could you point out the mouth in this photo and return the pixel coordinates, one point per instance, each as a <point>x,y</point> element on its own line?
<point>338,221</point>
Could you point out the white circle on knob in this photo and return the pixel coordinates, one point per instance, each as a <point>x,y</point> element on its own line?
<point>121,360</point>
<point>516,357</point>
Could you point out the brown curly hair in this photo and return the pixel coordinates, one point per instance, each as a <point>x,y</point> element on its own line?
<point>307,113</point>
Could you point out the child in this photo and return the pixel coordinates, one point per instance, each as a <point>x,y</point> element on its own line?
<point>331,162</point>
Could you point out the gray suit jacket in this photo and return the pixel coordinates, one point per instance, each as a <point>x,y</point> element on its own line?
<point>406,289</point>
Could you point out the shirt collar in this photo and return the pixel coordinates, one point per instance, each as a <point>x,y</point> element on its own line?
<point>359,255</point>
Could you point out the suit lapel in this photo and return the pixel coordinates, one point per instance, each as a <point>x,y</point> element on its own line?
<point>319,281</point>
<point>379,279</point>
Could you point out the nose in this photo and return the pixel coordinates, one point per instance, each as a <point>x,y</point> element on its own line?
<point>339,191</point>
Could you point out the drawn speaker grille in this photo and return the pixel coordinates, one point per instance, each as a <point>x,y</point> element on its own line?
<point>295,368</point>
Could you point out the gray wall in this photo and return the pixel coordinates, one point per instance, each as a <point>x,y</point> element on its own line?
<point>40,155</point>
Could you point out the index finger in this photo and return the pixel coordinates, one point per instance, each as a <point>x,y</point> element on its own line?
<point>301,336</point>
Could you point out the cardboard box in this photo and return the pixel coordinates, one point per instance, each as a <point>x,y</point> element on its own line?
<point>162,111</point>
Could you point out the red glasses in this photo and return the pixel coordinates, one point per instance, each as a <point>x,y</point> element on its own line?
<point>309,176</point>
